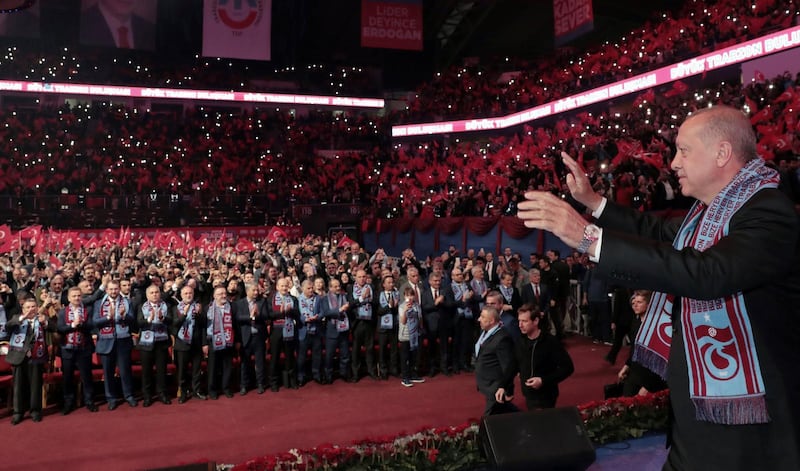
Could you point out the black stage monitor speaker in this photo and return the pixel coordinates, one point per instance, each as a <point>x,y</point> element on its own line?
<point>549,439</point>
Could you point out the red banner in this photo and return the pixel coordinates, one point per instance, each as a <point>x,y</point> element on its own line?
<point>392,24</point>
<point>572,19</point>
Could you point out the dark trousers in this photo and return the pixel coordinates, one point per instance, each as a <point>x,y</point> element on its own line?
<point>409,360</point>
<point>557,313</point>
<point>388,362</point>
<point>314,342</point>
<point>118,357</point>
<point>277,344</point>
<point>183,358</point>
<point>463,333</point>
<point>363,336</point>
<point>619,337</point>
<point>220,363</point>
<point>331,344</point>
<point>253,357</point>
<point>82,361</point>
<point>28,387</point>
<point>438,355</point>
<point>600,313</point>
<point>155,358</point>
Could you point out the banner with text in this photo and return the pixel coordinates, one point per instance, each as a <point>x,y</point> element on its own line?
<point>573,18</point>
<point>392,24</point>
<point>238,29</point>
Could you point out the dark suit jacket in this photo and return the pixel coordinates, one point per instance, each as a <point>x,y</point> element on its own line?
<point>495,364</point>
<point>104,345</point>
<point>199,333</point>
<point>245,324</point>
<point>65,328</point>
<point>435,317</point>
<point>96,32</point>
<point>16,357</point>
<point>544,296</point>
<point>760,257</point>
<point>331,315</point>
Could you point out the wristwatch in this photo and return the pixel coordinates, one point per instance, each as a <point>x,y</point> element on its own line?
<point>590,234</point>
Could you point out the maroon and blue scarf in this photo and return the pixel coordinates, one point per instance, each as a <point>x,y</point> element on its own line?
<point>725,381</point>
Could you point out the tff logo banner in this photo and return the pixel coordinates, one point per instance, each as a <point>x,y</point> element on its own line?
<point>238,29</point>
<point>392,24</point>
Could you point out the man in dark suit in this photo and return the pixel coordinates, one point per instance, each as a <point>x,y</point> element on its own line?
<point>112,23</point>
<point>511,300</point>
<point>189,327</point>
<point>536,292</point>
<point>437,303</point>
<point>495,364</point>
<point>730,279</point>
<point>154,318</point>
<point>115,321</point>
<point>27,353</point>
<point>334,308</point>
<point>251,317</point>
<point>360,298</point>
<point>75,327</point>
<point>283,310</point>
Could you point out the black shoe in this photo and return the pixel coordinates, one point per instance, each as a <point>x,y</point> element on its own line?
<point>147,402</point>
<point>16,419</point>
<point>132,402</point>
<point>433,373</point>
<point>164,399</point>
<point>448,373</point>
<point>200,396</point>
<point>373,377</point>
<point>319,381</point>
<point>91,407</point>
<point>274,388</point>
<point>301,382</point>
<point>261,389</point>
<point>112,405</point>
<point>183,399</point>
<point>243,391</point>
<point>213,396</point>
<point>67,409</point>
<point>36,417</point>
<point>228,394</point>
<point>352,379</point>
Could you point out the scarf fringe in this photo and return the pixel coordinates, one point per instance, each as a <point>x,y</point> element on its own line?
<point>650,360</point>
<point>732,411</point>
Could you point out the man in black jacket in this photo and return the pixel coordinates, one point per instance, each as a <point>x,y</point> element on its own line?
<point>542,360</point>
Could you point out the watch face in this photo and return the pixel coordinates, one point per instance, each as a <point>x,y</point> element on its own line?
<point>592,231</point>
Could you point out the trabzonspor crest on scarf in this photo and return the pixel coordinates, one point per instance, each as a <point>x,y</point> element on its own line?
<point>725,382</point>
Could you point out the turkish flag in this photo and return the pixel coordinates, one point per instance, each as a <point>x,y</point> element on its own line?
<point>244,245</point>
<point>276,234</point>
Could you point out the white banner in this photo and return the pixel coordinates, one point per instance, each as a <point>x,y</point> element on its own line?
<point>238,29</point>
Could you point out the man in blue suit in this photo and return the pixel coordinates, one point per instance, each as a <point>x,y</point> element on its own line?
<point>114,319</point>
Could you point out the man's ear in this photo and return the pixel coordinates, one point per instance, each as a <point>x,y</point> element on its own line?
<point>724,153</point>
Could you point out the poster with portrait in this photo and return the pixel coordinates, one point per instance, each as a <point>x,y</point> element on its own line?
<point>124,24</point>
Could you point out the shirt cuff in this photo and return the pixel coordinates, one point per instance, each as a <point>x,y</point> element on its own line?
<point>595,256</point>
<point>599,211</point>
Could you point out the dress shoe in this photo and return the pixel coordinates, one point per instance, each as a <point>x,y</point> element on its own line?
<point>352,379</point>
<point>66,409</point>
<point>132,402</point>
<point>274,388</point>
<point>228,394</point>
<point>16,419</point>
<point>243,392</point>
<point>112,405</point>
<point>213,396</point>
<point>261,389</point>
<point>36,417</point>
<point>373,377</point>
<point>200,396</point>
<point>164,399</point>
<point>433,373</point>
<point>147,402</point>
<point>183,399</point>
<point>91,407</point>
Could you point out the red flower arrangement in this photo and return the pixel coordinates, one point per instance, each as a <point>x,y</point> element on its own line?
<point>456,447</point>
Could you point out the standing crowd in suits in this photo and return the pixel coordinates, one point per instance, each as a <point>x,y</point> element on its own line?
<point>276,317</point>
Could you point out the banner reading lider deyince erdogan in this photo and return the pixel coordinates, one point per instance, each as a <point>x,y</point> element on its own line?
<point>239,29</point>
<point>392,24</point>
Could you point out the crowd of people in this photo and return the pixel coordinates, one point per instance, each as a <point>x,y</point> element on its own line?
<point>111,151</point>
<point>285,314</point>
<point>507,84</point>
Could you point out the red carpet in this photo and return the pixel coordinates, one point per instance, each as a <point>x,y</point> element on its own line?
<point>234,430</point>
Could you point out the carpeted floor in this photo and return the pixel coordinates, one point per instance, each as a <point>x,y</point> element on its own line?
<point>234,430</point>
